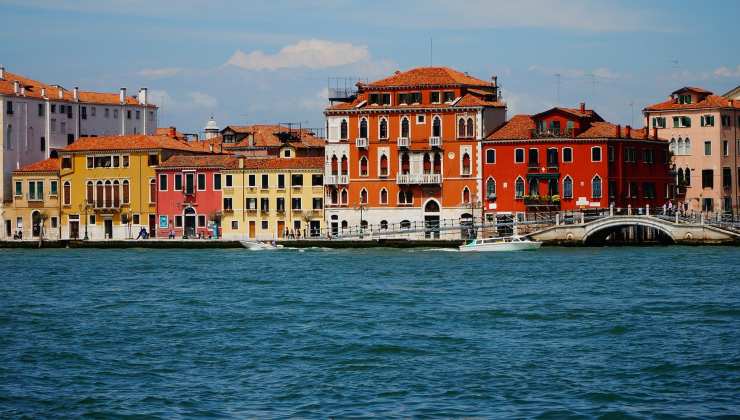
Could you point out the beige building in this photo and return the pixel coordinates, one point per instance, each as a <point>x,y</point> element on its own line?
<point>33,212</point>
<point>705,143</point>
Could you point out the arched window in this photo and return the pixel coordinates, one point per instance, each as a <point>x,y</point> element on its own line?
<point>490,188</point>
<point>471,129</point>
<point>679,178</point>
<point>534,187</point>
<point>334,198</point>
<point>363,196</point>
<point>152,191</point>
<point>345,165</point>
<point>334,165</point>
<point>466,163</point>
<point>383,225</point>
<point>405,128</point>
<point>383,129</point>
<point>568,187</point>
<point>405,197</point>
<point>437,127</point>
<point>432,206</point>
<point>116,194</point>
<point>405,224</point>
<point>90,192</point>
<point>687,146</point>
<point>491,156</point>
<point>99,194</point>
<point>343,130</point>
<point>405,163</point>
<point>383,165</point>
<point>552,187</point>
<point>125,192</point>
<point>363,128</point>
<point>108,194</point>
<point>427,163</point>
<point>596,187</point>
<point>363,224</point>
<point>437,163</point>
<point>344,197</point>
<point>461,128</point>
<point>383,196</point>
<point>67,193</point>
<point>344,224</point>
<point>363,166</point>
<point>687,176</point>
<point>679,149</point>
<point>672,145</point>
<point>519,188</point>
<point>466,195</point>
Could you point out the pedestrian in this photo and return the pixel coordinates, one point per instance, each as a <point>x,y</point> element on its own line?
<point>142,233</point>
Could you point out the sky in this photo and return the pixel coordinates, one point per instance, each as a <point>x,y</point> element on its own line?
<point>270,61</point>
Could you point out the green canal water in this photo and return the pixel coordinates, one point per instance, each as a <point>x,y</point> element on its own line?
<point>586,332</point>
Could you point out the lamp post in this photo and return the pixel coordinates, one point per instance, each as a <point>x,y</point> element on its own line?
<point>361,207</point>
<point>85,205</point>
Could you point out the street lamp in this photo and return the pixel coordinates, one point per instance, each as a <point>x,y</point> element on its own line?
<point>361,207</point>
<point>85,205</point>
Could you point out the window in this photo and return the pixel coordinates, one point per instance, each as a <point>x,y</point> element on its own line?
<point>343,130</point>
<point>281,181</point>
<point>280,204</point>
<point>296,203</point>
<point>567,154</point>
<point>201,182</point>
<point>363,166</point>
<point>491,156</point>
<point>552,157</point>
<point>466,164</point>
<point>265,204</point>
<point>106,113</point>
<point>178,182</point>
<point>596,187</point>
<point>405,127</point>
<point>436,127</point>
<point>383,196</point>
<point>53,188</point>
<point>596,154</point>
<point>138,114</point>
<point>92,219</point>
<point>128,114</point>
<point>534,157</point>
<point>707,204</point>
<point>421,119</point>
<point>612,186</point>
<point>54,222</point>
<point>83,112</point>
<point>178,221</point>
<point>93,109</point>
<point>9,107</point>
<point>235,225</point>
<point>648,189</point>
<point>18,188</point>
<point>659,122</point>
<point>409,98</point>
<point>466,195</point>
<point>136,218</point>
<point>318,203</point>
<point>707,148</point>
<point>265,181</point>
<point>296,180</point>
<point>518,155</point>
<point>36,190</point>
<point>725,148</point>
<point>115,114</point>
<point>124,160</point>
<point>490,188</point>
<point>125,187</point>
<point>707,178</point>
<point>153,160</point>
<point>163,182</point>
<point>726,178</point>
<point>681,122</point>
<point>363,128</point>
<point>217,182</point>
<point>519,188</point>
<point>252,180</point>
<point>461,128</point>
<point>405,197</point>
<point>42,143</point>
<point>684,99</point>
<point>363,196</point>
<point>383,129</point>
<point>567,187</point>
<point>611,152</point>
<point>67,193</point>
<point>707,121</point>
<point>434,97</point>
<point>251,203</point>
<point>449,96</point>
<point>230,180</point>
<point>152,191</point>
<point>41,110</point>
<point>189,183</point>
<point>201,217</point>
<point>228,203</point>
<point>317,180</point>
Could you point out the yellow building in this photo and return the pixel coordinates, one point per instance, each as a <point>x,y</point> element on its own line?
<point>34,212</point>
<point>274,197</point>
<point>108,185</point>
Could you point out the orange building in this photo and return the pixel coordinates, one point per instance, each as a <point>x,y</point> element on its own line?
<point>407,148</point>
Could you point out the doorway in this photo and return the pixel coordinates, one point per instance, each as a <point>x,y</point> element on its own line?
<point>74,229</point>
<point>314,227</point>
<point>108,223</point>
<point>36,224</point>
<point>252,229</point>
<point>431,219</point>
<point>190,222</point>
<point>152,225</point>
<point>8,229</point>
<point>280,228</point>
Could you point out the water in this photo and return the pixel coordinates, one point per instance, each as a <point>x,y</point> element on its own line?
<point>555,333</point>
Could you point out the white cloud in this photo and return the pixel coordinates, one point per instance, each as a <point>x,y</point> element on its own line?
<point>201,99</point>
<point>191,100</point>
<point>160,72</point>
<point>727,72</point>
<point>311,53</point>
<point>600,72</point>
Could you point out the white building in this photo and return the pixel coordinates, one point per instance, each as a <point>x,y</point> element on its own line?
<point>37,118</point>
<point>211,130</point>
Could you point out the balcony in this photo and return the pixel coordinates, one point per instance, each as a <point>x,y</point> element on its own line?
<point>550,202</point>
<point>435,141</point>
<point>403,142</point>
<point>361,142</point>
<point>418,179</point>
<point>34,197</point>
<point>336,179</point>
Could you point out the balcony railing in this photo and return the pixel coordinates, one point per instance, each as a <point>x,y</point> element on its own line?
<point>435,141</point>
<point>336,179</point>
<point>409,179</point>
<point>403,142</point>
<point>34,197</point>
<point>361,142</point>
<point>542,200</point>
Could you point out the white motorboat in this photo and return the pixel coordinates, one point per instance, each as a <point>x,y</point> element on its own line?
<point>507,243</point>
<point>259,246</point>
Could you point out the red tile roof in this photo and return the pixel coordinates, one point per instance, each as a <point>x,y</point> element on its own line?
<point>428,76</point>
<point>692,89</point>
<point>200,161</point>
<point>284,163</point>
<point>519,127</point>
<point>710,101</point>
<point>130,142</point>
<point>48,165</point>
<point>265,135</point>
<point>33,90</point>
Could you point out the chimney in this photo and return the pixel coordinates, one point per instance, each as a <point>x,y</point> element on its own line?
<point>61,93</point>
<point>655,133</point>
<point>76,93</point>
<point>241,162</point>
<point>16,87</point>
<point>43,92</point>
<point>583,107</point>
<point>143,96</point>
<point>23,90</point>
<point>627,131</point>
<point>122,96</point>
<point>172,132</point>
<point>619,131</point>
<point>494,81</point>
<point>645,132</point>
<point>2,72</point>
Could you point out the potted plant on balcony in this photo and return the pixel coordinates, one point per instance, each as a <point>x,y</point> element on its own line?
<point>555,198</point>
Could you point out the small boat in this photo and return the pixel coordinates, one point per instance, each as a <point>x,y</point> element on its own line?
<point>259,246</point>
<point>506,243</point>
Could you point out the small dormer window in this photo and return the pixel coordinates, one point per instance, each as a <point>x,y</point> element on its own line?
<point>684,99</point>
<point>449,96</point>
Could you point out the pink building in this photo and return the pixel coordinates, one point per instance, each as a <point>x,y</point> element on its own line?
<point>189,195</point>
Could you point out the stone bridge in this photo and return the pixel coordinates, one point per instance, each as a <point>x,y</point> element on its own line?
<point>686,233</point>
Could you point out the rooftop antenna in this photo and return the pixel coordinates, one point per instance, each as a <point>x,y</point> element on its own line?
<point>557,76</point>
<point>632,114</point>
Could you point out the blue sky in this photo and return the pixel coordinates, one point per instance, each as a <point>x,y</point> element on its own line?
<point>268,62</point>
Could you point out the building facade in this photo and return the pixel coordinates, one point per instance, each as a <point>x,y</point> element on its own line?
<point>705,144</point>
<point>108,184</point>
<point>33,212</point>
<point>407,148</point>
<point>273,197</point>
<point>262,140</point>
<point>189,195</point>
<point>571,159</point>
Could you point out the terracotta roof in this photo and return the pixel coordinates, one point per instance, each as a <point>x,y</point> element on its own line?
<point>265,135</point>
<point>425,76</point>
<point>130,142</point>
<point>33,90</point>
<point>466,101</point>
<point>710,101</point>
<point>200,161</point>
<point>608,130</point>
<point>692,89</point>
<point>472,100</point>
<point>285,163</point>
<point>519,127</point>
<point>48,165</point>
<point>586,113</point>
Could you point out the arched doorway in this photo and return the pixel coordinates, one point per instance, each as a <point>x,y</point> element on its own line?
<point>467,226</point>
<point>431,219</point>
<point>189,216</point>
<point>36,224</point>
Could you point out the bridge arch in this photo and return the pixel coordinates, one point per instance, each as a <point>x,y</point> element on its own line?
<point>600,229</point>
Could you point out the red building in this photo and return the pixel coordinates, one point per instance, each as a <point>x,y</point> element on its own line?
<point>189,194</point>
<point>570,159</point>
